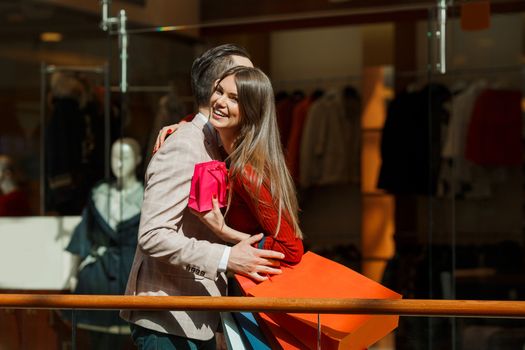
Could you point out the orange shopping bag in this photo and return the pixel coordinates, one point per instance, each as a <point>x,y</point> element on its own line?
<point>318,277</point>
<point>278,338</point>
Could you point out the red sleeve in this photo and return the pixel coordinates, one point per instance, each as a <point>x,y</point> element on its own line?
<point>189,117</point>
<point>286,241</point>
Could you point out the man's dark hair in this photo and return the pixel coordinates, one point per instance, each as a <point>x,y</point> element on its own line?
<point>209,66</point>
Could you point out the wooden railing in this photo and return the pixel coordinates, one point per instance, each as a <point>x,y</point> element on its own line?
<point>405,307</point>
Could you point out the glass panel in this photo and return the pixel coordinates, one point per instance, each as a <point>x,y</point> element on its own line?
<point>106,243</point>
<point>55,329</point>
<point>83,223</point>
<point>52,329</point>
<point>477,212</point>
<point>458,333</point>
<point>73,142</point>
<point>455,212</point>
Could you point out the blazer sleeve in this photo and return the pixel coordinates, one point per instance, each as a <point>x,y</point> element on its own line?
<point>285,241</point>
<point>163,227</point>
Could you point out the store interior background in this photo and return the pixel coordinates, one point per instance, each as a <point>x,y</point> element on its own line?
<point>421,245</point>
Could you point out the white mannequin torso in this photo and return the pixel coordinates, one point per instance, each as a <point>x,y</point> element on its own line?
<point>121,200</point>
<point>118,205</point>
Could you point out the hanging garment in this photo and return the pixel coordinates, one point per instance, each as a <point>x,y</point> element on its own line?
<point>106,255</point>
<point>455,171</point>
<point>74,154</point>
<point>293,146</point>
<point>411,141</point>
<point>284,109</point>
<point>494,134</point>
<point>66,192</point>
<point>326,144</point>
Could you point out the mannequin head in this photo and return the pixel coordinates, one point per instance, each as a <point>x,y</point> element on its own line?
<point>125,156</point>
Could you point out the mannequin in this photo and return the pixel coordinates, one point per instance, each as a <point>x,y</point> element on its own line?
<point>13,201</point>
<point>125,194</point>
<point>104,243</point>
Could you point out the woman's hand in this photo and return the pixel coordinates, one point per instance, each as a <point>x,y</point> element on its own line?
<point>258,264</point>
<point>164,133</point>
<point>215,221</point>
<point>212,218</point>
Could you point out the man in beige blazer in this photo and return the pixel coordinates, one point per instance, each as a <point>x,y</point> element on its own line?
<point>177,254</point>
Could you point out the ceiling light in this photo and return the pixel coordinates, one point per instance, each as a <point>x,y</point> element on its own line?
<point>51,37</point>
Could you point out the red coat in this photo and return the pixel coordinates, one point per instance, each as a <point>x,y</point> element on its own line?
<point>249,217</point>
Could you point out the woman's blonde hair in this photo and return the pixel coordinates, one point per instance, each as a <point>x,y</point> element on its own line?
<point>258,154</point>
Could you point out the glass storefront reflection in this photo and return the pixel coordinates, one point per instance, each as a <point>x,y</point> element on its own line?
<point>432,207</point>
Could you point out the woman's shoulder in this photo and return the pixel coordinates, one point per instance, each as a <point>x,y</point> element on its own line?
<point>249,180</point>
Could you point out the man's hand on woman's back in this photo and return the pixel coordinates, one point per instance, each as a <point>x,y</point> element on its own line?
<point>255,263</point>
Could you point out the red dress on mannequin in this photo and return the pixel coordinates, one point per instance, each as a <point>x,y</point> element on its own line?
<point>14,203</point>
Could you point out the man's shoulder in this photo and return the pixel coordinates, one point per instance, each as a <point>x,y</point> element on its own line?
<point>190,128</point>
<point>185,133</point>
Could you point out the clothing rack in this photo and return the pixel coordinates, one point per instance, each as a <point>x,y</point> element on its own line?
<point>84,69</point>
<point>512,76</point>
<point>355,79</point>
<point>319,79</point>
<point>283,18</point>
<point>310,85</point>
<point>464,71</point>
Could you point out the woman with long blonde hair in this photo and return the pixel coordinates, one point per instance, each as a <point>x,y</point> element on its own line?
<point>262,195</point>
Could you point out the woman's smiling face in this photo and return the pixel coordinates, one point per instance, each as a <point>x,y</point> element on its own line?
<point>225,113</point>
